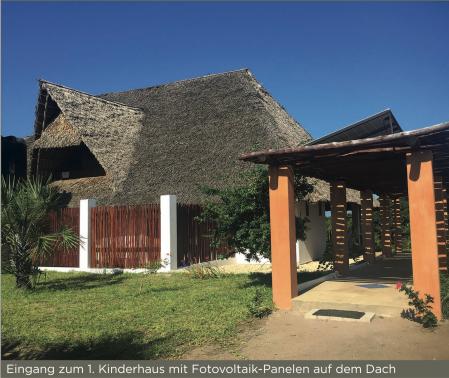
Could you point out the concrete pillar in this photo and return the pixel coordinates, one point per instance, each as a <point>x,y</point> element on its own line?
<point>423,230</point>
<point>385,224</point>
<point>169,233</point>
<point>369,254</point>
<point>440,223</point>
<point>283,236</point>
<point>339,226</point>
<point>85,232</point>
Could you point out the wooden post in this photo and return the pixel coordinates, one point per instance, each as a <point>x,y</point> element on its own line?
<point>366,199</point>
<point>440,223</point>
<point>446,223</point>
<point>385,223</point>
<point>283,236</point>
<point>423,230</point>
<point>339,227</point>
<point>397,225</point>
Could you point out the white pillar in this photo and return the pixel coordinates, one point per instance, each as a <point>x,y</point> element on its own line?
<point>85,232</point>
<point>169,235</point>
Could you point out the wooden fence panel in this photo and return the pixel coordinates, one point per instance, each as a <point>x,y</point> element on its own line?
<point>69,217</point>
<point>125,236</point>
<point>194,237</point>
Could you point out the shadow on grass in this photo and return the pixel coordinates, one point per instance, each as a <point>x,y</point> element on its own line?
<point>81,282</point>
<point>264,279</point>
<point>126,346</point>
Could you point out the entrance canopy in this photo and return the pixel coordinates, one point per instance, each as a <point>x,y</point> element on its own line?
<point>376,163</point>
<point>415,163</point>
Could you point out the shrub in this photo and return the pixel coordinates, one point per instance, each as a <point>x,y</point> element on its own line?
<point>205,271</point>
<point>420,310</point>
<point>26,234</point>
<point>256,307</point>
<point>242,214</point>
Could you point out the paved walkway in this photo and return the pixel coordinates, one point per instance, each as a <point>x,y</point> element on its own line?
<point>371,288</point>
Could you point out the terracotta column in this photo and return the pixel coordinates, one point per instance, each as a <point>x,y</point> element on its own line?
<point>423,230</point>
<point>385,224</point>
<point>397,225</point>
<point>283,236</point>
<point>339,227</point>
<point>440,222</point>
<point>366,199</point>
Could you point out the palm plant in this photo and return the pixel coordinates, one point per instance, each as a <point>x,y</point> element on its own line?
<point>26,235</point>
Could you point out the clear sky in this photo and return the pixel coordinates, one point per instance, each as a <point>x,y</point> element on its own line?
<point>328,64</point>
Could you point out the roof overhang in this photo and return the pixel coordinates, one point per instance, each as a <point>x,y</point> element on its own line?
<point>372,163</point>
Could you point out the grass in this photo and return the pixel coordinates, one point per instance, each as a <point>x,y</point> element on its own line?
<point>88,316</point>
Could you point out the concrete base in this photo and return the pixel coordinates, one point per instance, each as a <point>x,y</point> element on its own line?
<point>387,301</point>
<point>349,293</point>
<point>364,319</point>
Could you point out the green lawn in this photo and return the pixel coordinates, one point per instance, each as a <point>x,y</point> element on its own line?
<point>87,316</point>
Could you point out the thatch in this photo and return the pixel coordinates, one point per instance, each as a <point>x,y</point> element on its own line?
<point>321,192</point>
<point>195,129</point>
<point>88,187</point>
<point>174,138</point>
<point>58,134</point>
<point>109,130</point>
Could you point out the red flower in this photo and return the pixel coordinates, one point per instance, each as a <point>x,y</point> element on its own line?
<point>398,285</point>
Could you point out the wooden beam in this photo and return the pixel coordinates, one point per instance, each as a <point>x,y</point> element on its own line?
<point>385,224</point>
<point>339,226</point>
<point>366,199</point>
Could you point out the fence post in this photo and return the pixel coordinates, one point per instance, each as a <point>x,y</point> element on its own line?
<point>85,232</point>
<point>169,235</point>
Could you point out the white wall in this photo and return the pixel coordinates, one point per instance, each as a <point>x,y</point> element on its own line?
<point>315,244</point>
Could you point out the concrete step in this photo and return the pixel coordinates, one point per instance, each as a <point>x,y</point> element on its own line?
<point>379,310</point>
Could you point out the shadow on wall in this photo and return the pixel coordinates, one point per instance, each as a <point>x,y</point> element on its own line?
<point>264,279</point>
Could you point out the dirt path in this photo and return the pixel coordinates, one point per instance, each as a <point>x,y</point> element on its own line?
<point>287,335</point>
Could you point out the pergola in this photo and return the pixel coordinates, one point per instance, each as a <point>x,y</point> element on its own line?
<point>413,163</point>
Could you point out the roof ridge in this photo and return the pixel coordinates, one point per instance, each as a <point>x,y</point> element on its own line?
<point>90,95</point>
<point>180,81</point>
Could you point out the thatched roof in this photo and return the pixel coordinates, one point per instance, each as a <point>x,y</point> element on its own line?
<point>172,138</point>
<point>108,129</point>
<point>58,134</point>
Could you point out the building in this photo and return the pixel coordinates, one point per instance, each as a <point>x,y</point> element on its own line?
<point>130,147</point>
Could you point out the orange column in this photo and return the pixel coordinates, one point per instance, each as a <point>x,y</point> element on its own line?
<point>385,224</point>
<point>339,227</point>
<point>283,236</point>
<point>441,224</point>
<point>366,200</point>
<point>423,230</point>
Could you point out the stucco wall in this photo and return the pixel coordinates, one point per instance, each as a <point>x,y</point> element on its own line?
<point>315,244</point>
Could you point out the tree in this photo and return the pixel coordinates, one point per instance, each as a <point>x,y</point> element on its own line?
<point>26,237</point>
<point>242,214</point>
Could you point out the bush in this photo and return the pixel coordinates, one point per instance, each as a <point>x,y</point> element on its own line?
<point>420,310</point>
<point>242,214</point>
<point>205,271</point>
<point>256,307</point>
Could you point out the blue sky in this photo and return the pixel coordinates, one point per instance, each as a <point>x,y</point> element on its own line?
<point>329,64</point>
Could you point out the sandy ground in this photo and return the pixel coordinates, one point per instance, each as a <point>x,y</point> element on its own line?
<point>287,335</point>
